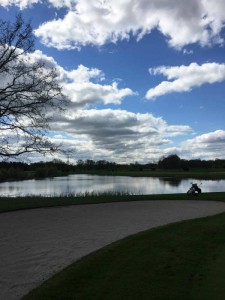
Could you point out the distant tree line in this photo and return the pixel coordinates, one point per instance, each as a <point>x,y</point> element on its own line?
<point>170,162</point>
<point>19,170</point>
<point>175,162</point>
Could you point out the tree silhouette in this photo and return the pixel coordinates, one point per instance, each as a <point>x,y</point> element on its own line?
<point>171,161</point>
<point>29,91</point>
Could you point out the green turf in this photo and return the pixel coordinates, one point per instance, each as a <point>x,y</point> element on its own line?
<point>196,173</point>
<point>182,261</point>
<point>10,204</point>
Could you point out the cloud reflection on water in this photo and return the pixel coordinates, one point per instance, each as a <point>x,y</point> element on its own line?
<point>83,183</point>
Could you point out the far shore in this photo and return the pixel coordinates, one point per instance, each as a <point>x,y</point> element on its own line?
<point>173,173</point>
<point>207,174</point>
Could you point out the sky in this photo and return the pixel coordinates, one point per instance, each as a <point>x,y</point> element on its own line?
<point>145,78</point>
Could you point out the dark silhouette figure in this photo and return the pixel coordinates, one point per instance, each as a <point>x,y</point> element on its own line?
<point>194,189</point>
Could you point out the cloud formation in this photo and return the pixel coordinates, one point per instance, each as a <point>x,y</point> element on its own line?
<point>206,146</point>
<point>117,134</point>
<point>184,78</point>
<point>99,22</point>
<point>84,86</point>
<point>83,91</point>
<point>22,4</point>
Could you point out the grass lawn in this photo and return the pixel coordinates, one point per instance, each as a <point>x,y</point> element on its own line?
<point>196,173</point>
<point>180,261</point>
<point>10,204</point>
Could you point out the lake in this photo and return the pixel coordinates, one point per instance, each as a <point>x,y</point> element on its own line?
<point>83,183</point>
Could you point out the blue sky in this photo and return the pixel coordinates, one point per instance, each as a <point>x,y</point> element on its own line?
<point>145,78</point>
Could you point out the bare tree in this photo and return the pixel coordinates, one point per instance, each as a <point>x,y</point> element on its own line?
<point>29,92</point>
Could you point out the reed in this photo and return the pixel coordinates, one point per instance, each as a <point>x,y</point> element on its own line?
<point>31,202</point>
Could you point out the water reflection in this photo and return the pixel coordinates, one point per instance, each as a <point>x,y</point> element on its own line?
<point>171,181</point>
<point>82,183</point>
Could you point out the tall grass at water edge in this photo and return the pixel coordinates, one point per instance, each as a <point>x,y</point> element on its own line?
<point>31,201</point>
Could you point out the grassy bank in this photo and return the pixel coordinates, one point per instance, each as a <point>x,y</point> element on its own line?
<point>174,173</point>
<point>179,261</point>
<point>42,173</point>
<point>18,203</point>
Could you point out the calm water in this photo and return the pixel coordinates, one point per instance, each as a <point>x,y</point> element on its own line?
<point>79,184</point>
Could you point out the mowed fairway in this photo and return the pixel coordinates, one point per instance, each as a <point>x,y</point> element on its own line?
<point>36,244</point>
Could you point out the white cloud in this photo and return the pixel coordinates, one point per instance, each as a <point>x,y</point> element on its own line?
<point>116,134</point>
<point>206,146</point>
<point>83,74</point>
<point>188,52</point>
<point>87,93</point>
<point>184,78</point>
<point>99,22</point>
<point>109,123</point>
<point>63,3</point>
<point>83,86</point>
<point>20,3</point>
<point>82,91</point>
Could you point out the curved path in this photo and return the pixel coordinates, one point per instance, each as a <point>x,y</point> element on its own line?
<point>35,244</point>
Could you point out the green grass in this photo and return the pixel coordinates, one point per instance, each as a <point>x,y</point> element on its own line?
<point>18,203</point>
<point>181,261</point>
<point>174,173</point>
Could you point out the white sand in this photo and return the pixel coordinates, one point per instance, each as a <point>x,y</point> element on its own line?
<point>35,244</point>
